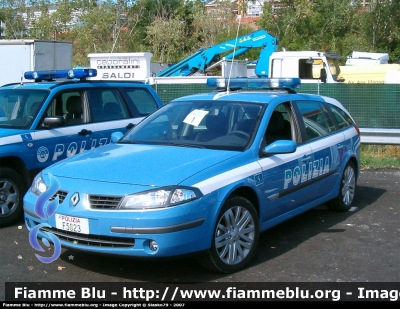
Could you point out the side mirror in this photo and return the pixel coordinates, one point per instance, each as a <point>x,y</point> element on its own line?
<point>54,121</point>
<point>310,61</point>
<point>279,147</point>
<point>115,136</point>
<point>323,75</point>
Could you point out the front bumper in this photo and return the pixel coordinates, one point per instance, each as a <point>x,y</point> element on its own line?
<point>177,230</point>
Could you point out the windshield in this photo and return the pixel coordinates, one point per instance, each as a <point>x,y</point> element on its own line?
<point>203,124</point>
<point>18,108</point>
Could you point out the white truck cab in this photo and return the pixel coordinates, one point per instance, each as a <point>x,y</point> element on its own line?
<point>309,66</point>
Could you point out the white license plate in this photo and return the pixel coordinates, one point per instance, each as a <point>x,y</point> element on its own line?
<point>72,224</point>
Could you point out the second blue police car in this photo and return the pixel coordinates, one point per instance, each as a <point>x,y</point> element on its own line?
<point>55,115</point>
<point>204,174</point>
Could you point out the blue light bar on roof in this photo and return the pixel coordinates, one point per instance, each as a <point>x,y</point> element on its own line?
<point>259,83</point>
<point>63,74</point>
<point>81,73</point>
<point>46,74</point>
<point>226,82</point>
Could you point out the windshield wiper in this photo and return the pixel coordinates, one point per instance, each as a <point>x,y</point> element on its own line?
<point>184,145</point>
<point>126,142</point>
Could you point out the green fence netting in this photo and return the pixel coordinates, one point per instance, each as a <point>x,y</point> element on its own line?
<point>371,105</point>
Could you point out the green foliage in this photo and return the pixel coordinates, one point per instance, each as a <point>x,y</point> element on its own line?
<point>166,37</point>
<point>380,156</point>
<point>174,29</point>
<point>337,26</point>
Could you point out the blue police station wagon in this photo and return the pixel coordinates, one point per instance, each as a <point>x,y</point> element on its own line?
<point>47,120</point>
<point>204,174</point>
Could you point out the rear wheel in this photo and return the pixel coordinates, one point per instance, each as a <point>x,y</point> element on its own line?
<point>347,191</point>
<point>235,237</point>
<point>12,190</point>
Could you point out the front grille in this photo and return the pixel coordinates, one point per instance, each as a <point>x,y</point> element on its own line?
<point>104,202</point>
<point>91,240</point>
<point>61,196</point>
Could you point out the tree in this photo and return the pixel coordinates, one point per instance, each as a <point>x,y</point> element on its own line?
<point>339,26</point>
<point>98,31</point>
<point>42,25</point>
<point>216,26</point>
<point>380,27</point>
<point>167,39</point>
<point>14,15</point>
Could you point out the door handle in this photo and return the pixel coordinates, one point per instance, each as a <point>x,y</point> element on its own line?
<point>85,132</point>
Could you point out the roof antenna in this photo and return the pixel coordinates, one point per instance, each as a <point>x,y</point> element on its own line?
<point>233,57</point>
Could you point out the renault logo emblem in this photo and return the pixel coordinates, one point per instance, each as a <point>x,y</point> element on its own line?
<point>75,199</point>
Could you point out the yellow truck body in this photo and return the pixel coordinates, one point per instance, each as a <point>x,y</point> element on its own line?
<point>371,74</point>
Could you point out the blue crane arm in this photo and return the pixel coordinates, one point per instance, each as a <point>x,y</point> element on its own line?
<point>179,66</point>
<point>203,58</point>
<point>237,53</point>
<point>262,66</point>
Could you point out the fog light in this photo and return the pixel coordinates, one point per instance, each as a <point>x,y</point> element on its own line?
<point>153,245</point>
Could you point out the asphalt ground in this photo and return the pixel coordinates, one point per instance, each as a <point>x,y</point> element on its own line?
<point>361,245</point>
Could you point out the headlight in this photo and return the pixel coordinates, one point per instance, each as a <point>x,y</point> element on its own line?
<point>160,198</point>
<point>38,185</point>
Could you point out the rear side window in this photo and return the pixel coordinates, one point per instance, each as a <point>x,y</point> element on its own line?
<point>316,119</point>
<point>342,118</point>
<point>141,100</point>
<point>106,105</point>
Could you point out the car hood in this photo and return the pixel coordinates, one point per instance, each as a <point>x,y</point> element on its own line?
<point>139,164</point>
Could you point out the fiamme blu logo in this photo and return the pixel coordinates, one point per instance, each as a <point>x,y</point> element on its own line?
<point>45,208</point>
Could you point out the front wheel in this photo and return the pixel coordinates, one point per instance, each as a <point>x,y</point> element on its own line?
<point>347,191</point>
<point>12,190</point>
<point>235,237</point>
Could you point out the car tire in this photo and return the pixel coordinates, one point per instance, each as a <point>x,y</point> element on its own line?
<point>347,190</point>
<point>12,190</point>
<point>235,237</point>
